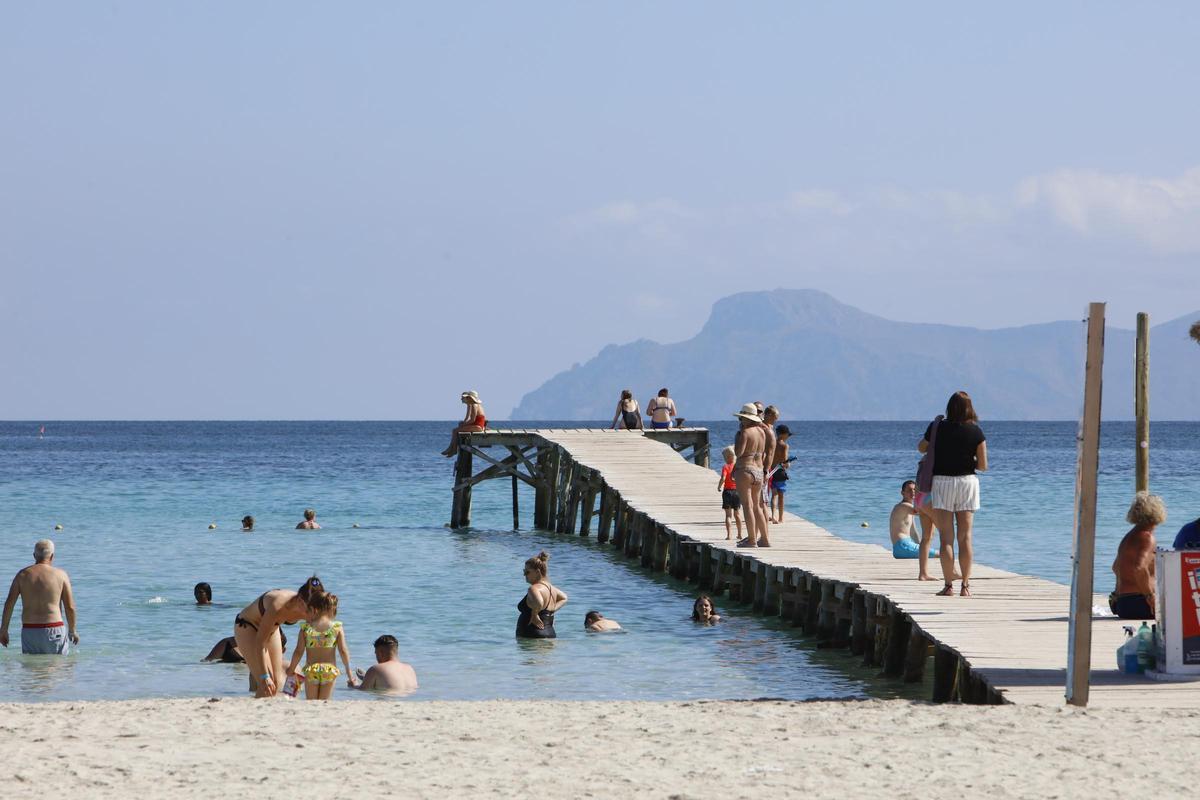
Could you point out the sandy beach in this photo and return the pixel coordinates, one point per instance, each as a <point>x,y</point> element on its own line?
<point>211,748</point>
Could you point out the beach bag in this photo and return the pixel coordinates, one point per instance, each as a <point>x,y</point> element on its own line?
<point>925,465</point>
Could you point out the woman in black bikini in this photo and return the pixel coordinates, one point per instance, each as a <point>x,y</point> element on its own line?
<point>628,413</point>
<point>538,605</point>
<point>256,631</point>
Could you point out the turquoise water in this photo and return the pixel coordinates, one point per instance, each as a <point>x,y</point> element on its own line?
<point>136,499</point>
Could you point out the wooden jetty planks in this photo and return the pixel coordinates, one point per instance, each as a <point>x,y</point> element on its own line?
<point>1006,643</point>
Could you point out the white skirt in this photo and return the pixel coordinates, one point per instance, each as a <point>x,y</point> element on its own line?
<point>955,492</point>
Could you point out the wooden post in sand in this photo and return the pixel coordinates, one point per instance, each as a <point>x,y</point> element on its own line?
<point>1079,654</point>
<point>1141,402</point>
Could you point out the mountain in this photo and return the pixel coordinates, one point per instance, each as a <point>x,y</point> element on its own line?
<point>817,358</point>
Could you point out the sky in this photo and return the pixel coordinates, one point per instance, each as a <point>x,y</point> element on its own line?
<point>328,211</point>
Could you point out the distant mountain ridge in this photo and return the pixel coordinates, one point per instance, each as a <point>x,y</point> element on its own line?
<point>820,359</point>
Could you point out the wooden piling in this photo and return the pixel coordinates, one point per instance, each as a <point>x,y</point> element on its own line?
<point>1141,404</point>
<point>914,659</point>
<point>945,674</point>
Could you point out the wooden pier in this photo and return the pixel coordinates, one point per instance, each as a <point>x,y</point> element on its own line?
<point>1006,643</point>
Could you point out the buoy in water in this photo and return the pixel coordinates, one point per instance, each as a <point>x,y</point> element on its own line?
<point>58,527</point>
<point>355,525</point>
<point>212,526</point>
<point>865,524</point>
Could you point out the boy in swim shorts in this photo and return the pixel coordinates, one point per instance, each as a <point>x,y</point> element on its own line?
<point>730,501</point>
<point>902,524</point>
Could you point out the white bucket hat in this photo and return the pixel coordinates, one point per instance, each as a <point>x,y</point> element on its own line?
<point>749,412</point>
<point>472,395</point>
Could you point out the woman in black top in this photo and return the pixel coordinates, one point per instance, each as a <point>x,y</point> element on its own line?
<point>538,605</point>
<point>960,449</point>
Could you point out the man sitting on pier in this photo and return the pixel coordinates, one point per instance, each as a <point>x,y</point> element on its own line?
<point>1134,565</point>
<point>905,541</point>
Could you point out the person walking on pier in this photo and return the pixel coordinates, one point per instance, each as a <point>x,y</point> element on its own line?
<point>45,594</point>
<point>960,449</point>
<point>1134,595</point>
<point>628,412</point>
<point>660,410</point>
<point>540,602</point>
<point>474,421</point>
<point>750,446</point>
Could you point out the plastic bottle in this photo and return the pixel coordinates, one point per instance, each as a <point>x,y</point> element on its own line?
<point>291,686</point>
<point>1127,660</point>
<point>1145,648</point>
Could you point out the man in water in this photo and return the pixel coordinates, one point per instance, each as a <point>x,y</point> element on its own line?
<point>310,521</point>
<point>390,674</point>
<point>247,523</point>
<point>595,622</point>
<point>203,594</point>
<point>45,593</point>
<point>1133,597</point>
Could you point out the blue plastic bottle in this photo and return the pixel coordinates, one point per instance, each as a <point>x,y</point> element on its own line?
<point>1127,660</point>
<point>1145,648</point>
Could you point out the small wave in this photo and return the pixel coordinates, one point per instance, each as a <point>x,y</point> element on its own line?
<point>157,600</point>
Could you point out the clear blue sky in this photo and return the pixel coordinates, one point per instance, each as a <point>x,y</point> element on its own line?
<point>315,210</point>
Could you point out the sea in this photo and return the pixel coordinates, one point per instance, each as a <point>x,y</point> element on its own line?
<point>136,501</point>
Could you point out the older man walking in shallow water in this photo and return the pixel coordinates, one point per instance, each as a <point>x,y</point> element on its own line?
<point>45,593</point>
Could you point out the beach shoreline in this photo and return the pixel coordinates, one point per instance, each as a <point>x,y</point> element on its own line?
<point>501,748</point>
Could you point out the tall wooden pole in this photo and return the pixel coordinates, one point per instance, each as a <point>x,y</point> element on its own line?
<point>1141,401</point>
<point>1079,653</point>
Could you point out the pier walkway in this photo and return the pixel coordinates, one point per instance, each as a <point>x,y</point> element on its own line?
<point>1006,643</point>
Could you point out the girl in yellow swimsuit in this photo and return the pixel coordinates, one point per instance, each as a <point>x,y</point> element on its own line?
<point>321,639</point>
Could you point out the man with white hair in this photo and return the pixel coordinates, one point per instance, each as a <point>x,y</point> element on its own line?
<point>45,592</point>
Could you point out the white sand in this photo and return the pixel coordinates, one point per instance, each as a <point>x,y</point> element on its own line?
<point>876,749</point>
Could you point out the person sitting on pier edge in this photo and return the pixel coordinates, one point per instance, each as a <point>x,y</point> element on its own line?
<point>203,594</point>
<point>627,412</point>
<point>730,501</point>
<point>703,610</point>
<point>1133,597</point>
<point>660,410</point>
<point>749,446</point>
<point>310,521</point>
<point>902,524</point>
<point>595,622</point>
<point>1188,537</point>
<point>474,421</point>
<point>540,602</point>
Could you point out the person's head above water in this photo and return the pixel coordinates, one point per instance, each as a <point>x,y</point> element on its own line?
<point>43,551</point>
<point>703,607</point>
<point>247,523</point>
<point>1147,510</point>
<point>310,514</point>
<point>959,408</point>
<point>591,618</point>
<point>729,454</point>
<point>386,648</point>
<point>203,594</point>
<point>536,568</point>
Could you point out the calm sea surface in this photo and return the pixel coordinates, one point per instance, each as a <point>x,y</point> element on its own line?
<point>136,499</point>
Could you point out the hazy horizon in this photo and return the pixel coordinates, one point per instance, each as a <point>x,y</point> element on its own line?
<point>288,211</point>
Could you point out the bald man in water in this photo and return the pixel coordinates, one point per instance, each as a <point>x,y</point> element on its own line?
<point>45,593</point>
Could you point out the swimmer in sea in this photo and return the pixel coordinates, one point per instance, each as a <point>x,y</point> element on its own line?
<point>203,594</point>
<point>247,523</point>
<point>310,521</point>
<point>389,673</point>
<point>703,610</point>
<point>595,622</point>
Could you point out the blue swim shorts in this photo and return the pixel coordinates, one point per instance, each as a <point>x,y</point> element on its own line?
<point>906,548</point>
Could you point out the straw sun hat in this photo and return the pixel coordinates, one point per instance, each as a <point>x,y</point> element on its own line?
<point>471,395</point>
<point>749,412</point>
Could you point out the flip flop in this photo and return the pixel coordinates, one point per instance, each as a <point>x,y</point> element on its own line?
<point>746,543</point>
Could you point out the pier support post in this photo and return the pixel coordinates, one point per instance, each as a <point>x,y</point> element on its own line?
<point>620,524</point>
<point>812,609</point>
<point>541,490</point>
<point>704,578</point>
<point>516,507</point>
<point>858,623</point>
<point>460,507</point>
<point>914,659</point>
<point>827,617</point>
<point>945,674</point>
<point>553,466</point>
<point>898,636</point>
<point>606,515</point>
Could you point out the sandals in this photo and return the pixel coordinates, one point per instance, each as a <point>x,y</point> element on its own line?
<point>965,591</point>
<point>746,543</point>
<point>947,591</point>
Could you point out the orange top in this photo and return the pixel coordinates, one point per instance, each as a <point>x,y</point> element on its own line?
<point>727,474</point>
